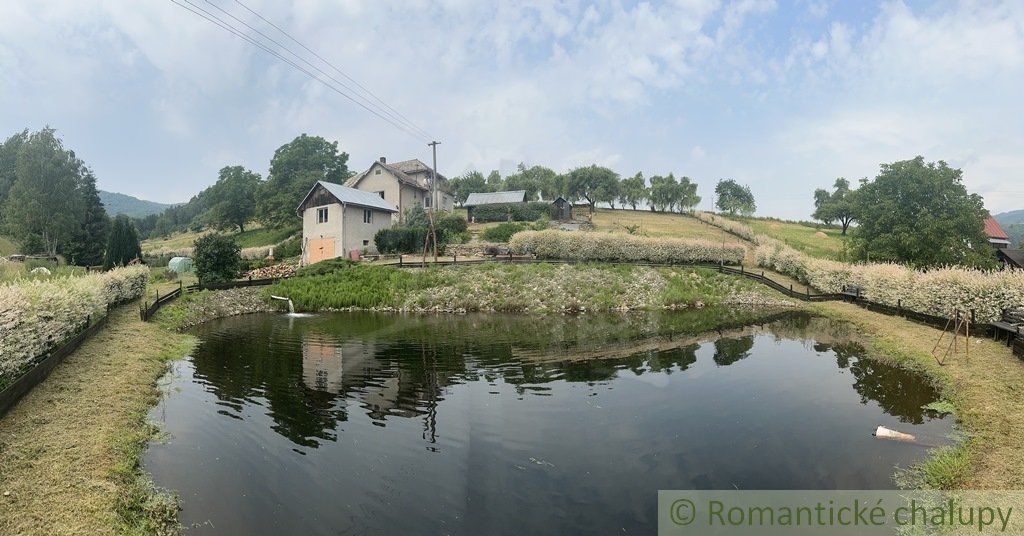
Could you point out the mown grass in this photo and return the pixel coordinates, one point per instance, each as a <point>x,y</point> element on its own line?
<point>986,390</point>
<point>647,223</point>
<point>265,236</point>
<point>70,450</point>
<point>821,242</point>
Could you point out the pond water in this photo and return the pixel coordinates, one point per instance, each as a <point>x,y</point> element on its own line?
<point>355,423</point>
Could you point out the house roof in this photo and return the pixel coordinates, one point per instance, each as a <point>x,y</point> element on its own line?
<point>495,198</point>
<point>1012,256</point>
<point>404,172</point>
<point>351,196</point>
<point>994,230</point>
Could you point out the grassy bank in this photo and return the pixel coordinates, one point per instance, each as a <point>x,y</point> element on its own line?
<point>985,390</point>
<point>647,223</point>
<point>530,288</point>
<point>821,242</point>
<point>69,451</point>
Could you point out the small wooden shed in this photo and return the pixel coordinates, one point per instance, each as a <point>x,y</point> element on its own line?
<point>561,209</point>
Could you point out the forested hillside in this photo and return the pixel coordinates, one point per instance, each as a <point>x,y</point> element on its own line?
<point>1013,223</point>
<point>133,207</point>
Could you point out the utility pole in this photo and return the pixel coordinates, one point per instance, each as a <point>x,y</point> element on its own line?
<point>433,202</point>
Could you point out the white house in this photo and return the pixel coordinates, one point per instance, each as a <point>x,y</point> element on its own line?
<point>403,185</point>
<point>337,220</point>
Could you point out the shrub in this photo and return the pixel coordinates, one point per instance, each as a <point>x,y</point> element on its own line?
<point>503,231</point>
<point>36,315</point>
<point>586,246</point>
<point>935,292</point>
<point>289,248</point>
<point>406,240</point>
<point>531,211</point>
<point>217,258</point>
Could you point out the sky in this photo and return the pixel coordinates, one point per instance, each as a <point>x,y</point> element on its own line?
<point>782,96</point>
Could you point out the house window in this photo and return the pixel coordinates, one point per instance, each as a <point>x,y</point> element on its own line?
<point>376,171</point>
<point>366,243</point>
<point>321,215</point>
<point>367,216</point>
<point>381,194</point>
<point>426,202</point>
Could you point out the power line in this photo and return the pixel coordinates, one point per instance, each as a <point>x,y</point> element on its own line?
<point>199,11</point>
<point>333,66</point>
<point>393,115</point>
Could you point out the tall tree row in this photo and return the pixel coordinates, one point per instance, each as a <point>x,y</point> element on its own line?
<point>49,200</point>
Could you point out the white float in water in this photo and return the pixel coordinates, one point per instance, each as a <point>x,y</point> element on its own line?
<point>885,433</point>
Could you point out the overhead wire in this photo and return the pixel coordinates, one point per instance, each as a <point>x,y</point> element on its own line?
<point>227,26</point>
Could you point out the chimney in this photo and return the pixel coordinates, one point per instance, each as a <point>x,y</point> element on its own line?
<point>383,160</point>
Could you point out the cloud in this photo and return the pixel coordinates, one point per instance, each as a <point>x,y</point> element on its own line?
<point>726,88</point>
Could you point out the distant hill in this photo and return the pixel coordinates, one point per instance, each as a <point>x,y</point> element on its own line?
<point>134,207</point>
<point>1013,223</point>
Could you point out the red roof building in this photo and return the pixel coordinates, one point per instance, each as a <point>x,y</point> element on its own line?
<point>996,235</point>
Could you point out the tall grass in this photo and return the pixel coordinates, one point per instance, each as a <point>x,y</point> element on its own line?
<point>588,246</point>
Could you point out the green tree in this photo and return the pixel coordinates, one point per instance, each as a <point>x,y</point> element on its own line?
<point>43,209</point>
<point>233,198</point>
<point>217,258</point>
<point>494,181</point>
<point>840,205</point>
<point>633,190</point>
<point>122,244</point>
<point>295,168</point>
<point>686,194</point>
<point>921,214</point>
<point>532,179</point>
<point>468,183</point>
<point>663,192</point>
<point>88,243</point>
<point>8,164</point>
<point>734,198</point>
<point>553,186</point>
<point>594,184</point>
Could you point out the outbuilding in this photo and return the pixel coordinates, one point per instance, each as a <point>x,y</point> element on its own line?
<point>477,199</point>
<point>561,209</point>
<point>338,221</point>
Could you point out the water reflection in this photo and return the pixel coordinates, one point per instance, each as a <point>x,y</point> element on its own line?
<point>341,422</point>
<point>394,366</point>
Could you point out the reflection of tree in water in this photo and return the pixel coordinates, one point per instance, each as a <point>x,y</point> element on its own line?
<point>898,392</point>
<point>242,367</point>
<point>307,375</point>
<point>730,350</point>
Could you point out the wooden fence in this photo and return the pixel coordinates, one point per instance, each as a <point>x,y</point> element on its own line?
<point>147,310</point>
<point>21,386</point>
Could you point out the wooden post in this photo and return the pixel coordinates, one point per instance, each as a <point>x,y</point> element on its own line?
<point>899,306</point>
<point>790,289</point>
<point>399,259</point>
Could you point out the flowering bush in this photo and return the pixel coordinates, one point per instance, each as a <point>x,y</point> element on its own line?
<point>35,315</point>
<point>936,292</point>
<point>586,246</point>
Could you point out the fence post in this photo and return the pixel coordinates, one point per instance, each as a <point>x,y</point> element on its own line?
<point>791,289</point>
<point>399,259</point>
<point>455,258</point>
<point>899,306</point>
<point>973,316</point>
<point>808,293</point>
<point>741,270</point>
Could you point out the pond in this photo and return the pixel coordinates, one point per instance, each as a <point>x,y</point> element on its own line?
<point>354,423</point>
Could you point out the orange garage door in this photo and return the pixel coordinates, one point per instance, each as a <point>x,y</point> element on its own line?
<point>320,249</point>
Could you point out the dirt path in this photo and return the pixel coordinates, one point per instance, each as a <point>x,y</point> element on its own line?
<point>69,450</point>
<point>987,388</point>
